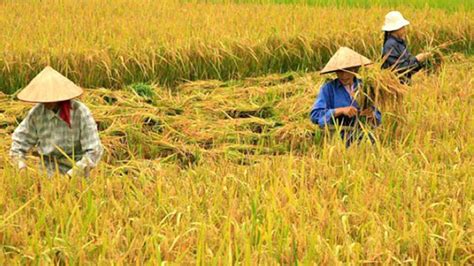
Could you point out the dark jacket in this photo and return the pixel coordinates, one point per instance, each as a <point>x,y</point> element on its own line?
<point>397,56</point>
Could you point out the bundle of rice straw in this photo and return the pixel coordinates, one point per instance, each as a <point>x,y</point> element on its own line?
<point>380,88</point>
<point>433,64</point>
<point>436,60</point>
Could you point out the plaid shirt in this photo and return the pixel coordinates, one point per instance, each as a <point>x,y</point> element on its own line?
<point>52,137</point>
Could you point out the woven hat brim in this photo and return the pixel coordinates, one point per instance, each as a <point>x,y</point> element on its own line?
<point>49,86</point>
<point>345,58</point>
<point>322,72</point>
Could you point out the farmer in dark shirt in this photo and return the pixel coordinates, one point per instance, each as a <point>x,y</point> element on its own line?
<point>395,50</point>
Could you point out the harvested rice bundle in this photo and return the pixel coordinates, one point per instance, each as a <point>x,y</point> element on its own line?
<point>381,88</point>
<point>296,135</point>
<point>271,80</point>
<point>434,63</point>
<point>437,59</point>
<point>250,110</point>
<point>122,98</point>
<point>201,86</point>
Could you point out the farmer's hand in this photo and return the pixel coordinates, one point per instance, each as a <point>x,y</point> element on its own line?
<point>423,56</point>
<point>79,169</point>
<point>20,165</point>
<point>349,111</point>
<point>369,113</point>
<point>75,172</point>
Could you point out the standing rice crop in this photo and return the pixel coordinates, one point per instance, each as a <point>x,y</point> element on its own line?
<point>123,42</point>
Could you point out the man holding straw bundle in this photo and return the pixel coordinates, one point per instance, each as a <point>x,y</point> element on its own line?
<point>62,129</point>
<point>335,107</point>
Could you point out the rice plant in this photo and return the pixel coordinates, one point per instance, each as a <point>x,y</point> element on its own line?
<point>123,42</point>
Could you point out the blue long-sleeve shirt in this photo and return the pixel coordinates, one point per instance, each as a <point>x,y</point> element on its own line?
<point>331,96</point>
<point>398,56</point>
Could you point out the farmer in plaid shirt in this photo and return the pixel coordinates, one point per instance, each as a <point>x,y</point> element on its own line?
<point>62,129</point>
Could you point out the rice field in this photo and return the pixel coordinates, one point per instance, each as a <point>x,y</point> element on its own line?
<point>216,162</point>
<point>105,43</point>
<point>442,4</point>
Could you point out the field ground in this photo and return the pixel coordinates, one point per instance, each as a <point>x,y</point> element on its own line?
<point>210,154</point>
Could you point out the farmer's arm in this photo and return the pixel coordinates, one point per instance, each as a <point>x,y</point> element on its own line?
<point>23,139</point>
<point>321,113</point>
<point>397,55</point>
<point>372,113</point>
<point>90,141</point>
<point>410,63</point>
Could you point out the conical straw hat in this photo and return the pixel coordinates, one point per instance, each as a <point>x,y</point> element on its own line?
<point>345,58</point>
<point>49,86</point>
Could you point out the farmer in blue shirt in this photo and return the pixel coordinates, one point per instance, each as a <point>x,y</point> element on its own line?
<point>395,50</point>
<point>335,106</point>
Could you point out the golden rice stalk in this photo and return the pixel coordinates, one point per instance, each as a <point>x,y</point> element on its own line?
<point>434,63</point>
<point>437,59</point>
